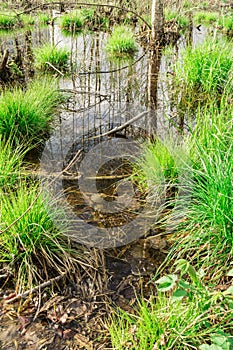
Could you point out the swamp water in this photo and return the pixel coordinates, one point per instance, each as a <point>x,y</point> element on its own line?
<point>105,210</point>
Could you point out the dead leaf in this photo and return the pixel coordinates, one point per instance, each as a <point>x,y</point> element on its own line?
<point>68,333</point>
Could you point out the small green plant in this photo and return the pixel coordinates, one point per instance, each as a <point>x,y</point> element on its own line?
<point>33,247</point>
<point>184,315</point>
<point>121,42</point>
<point>29,113</point>
<point>27,20</point>
<point>50,58</point>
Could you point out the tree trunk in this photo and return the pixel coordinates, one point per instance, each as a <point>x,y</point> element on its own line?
<point>157,19</point>
<point>156,46</point>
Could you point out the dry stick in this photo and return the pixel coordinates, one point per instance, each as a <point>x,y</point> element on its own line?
<point>39,287</point>
<point>121,127</point>
<point>113,70</point>
<point>52,66</point>
<point>87,4</point>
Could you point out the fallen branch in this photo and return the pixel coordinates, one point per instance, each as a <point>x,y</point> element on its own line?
<point>34,290</point>
<point>123,126</point>
<point>52,66</point>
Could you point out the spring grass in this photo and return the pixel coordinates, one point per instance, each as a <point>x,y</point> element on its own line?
<point>206,232</point>
<point>47,57</point>
<point>186,314</point>
<point>181,20</point>
<point>11,161</point>
<point>8,21</point>
<point>205,71</point>
<point>33,247</point>
<point>160,163</point>
<point>43,18</point>
<point>29,113</point>
<point>206,17</point>
<point>73,21</point>
<point>121,41</point>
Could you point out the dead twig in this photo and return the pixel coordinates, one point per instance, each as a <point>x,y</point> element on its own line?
<point>37,288</point>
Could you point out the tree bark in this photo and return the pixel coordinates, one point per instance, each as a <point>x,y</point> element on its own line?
<point>156,46</point>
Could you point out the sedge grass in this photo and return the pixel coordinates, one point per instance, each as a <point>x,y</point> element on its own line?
<point>181,20</point>
<point>8,21</point>
<point>33,247</point>
<point>73,22</point>
<point>121,42</point>
<point>11,161</point>
<point>47,57</point>
<point>205,72</point>
<point>206,233</point>
<point>29,113</point>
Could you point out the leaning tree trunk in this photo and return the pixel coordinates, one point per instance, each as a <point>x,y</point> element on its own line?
<point>156,45</point>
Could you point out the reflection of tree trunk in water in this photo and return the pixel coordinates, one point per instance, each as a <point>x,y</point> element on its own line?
<point>156,45</point>
<point>29,55</point>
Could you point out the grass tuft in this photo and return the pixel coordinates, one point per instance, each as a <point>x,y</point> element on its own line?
<point>48,55</point>
<point>121,41</point>
<point>29,113</point>
<point>33,247</point>
<point>205,71</point>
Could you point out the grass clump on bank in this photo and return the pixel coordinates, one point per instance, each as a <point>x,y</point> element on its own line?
<point>29,113</point>
<point>32,247</point>
<point>11,159</point>
<point>121,42</point>
<point>50,58</point>
<point>206,234</point>
<point>205,71</point>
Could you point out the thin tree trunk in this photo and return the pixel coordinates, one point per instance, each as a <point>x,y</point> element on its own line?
<point>156,45</point>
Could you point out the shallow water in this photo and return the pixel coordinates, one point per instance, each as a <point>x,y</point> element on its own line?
<point>104,94</point>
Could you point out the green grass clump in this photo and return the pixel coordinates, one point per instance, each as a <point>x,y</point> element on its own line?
<point>206,17</point>
<point>8,21</point>
<point>205,71</point>
<point>47,57</point>
<point>121,41</point>
<point>73,22</point>
<point>181,20</point>
<point>33,247</point>
<point>11,159</point>
<point>160,163</point>
<point>226,23</point>
<point>43,18</point>
<point>185,315</point>
<point>29,113</point>
<point>207,229</point>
